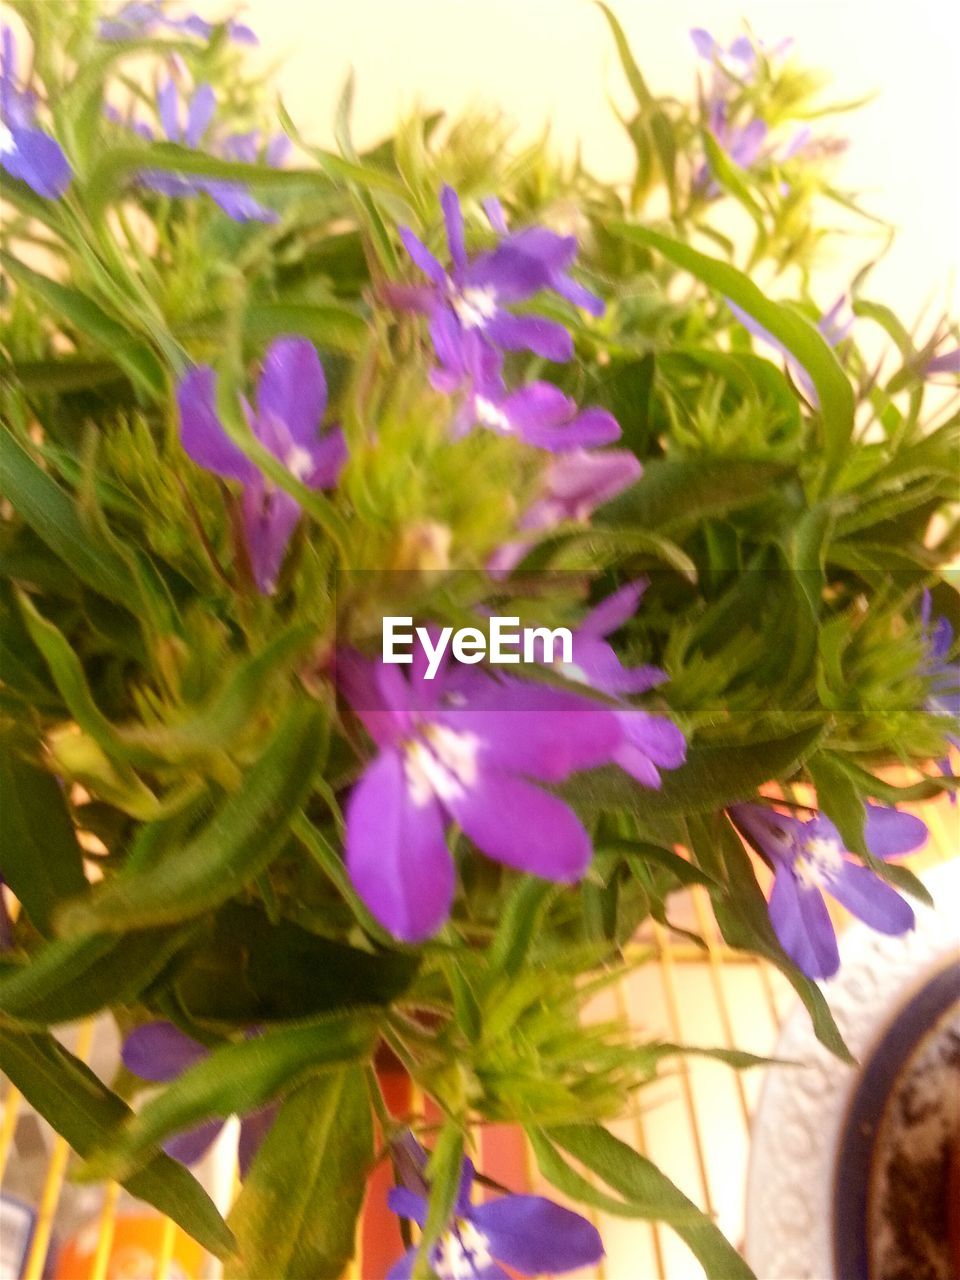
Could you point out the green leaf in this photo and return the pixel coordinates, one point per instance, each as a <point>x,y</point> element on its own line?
<point>84,1111</point>
<point>42,861</point>
<point>233,1080</point>
<point>53,517</point>
<point>674,492</point>
<point>334,326</point>
<point>248,971</point>
<point>712,777</point>
<point>296,1218</point>
<point>799,336</point>
<point>234,847</point>
<point>135,358</point>
<point>521,916</point>
<point>644,852</point>
<point>443,1175</point>
<point>634,76</point>
<point>74,977</point>
<point>652,1195</point>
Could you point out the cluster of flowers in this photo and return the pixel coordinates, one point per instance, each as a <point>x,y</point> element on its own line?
<point>745,140</point>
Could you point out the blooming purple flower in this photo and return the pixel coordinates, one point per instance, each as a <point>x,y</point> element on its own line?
<point>808,858</point>
<point>291,400</point>
<point>160,1052</point>
<point>530,1234</point>
<point>475,293</point>
<point>946,362</point>
<point>538,413</point>
<point>831,326</point>
<point>647,741</point>
<point>462,748</point>
<point>232,197</point>
<point>575,484</point>
<point>139,19</point>
<point>551,249</point>
<point>26,152</point>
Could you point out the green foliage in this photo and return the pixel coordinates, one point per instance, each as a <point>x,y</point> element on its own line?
<point>152,698</point>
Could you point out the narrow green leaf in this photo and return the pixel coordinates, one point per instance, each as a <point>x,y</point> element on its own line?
<point>71,978</point>
<point>674,492</point>
<point>233,1080</point>
<point>85,1111</point>
<point>136,359</point>
<point>297,1218</point>
<point>53,517</point>
<point>521,916</point>
<point>799,336</point>
<point>236,845</point>
<point>42,861</point>
<point>653,1195</point>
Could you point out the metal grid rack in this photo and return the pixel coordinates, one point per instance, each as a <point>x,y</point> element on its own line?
<point>694,1123</point>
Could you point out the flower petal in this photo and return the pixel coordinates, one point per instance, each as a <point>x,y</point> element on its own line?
<point>587,430</point>
<point>871,899</point>
<point>422,256</point>
<point>396,853</point>
<point>201,432</point>
<point>327,457</point>
<point>655,736</point>
<point>190,1146</point>
<point>534,1235</point>
<point>253,1129</point>
<point>453,217</point>
<point>531,333</point>
<point>237,202</point>
<point>402,1269</point>
<point>200,112</point>
<point>802,923</point>
<point>293,388</point>
<point>611,614</point>
<point>160,1051</point>
<point>534,729</point>
<point>516,823</point>
<point>38,160</point>
<point>407,1204</point>
<point>889,833</point>
<point>168,108</point>
<point>269,519</point>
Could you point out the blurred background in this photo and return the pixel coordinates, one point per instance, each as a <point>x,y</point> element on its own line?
<point>552,62</point>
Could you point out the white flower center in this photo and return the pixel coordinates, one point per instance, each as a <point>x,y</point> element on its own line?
<point>818,862</point>
<point>570,671</point>
<point>299,463</point>
<point>490,416</point>
<point>475,306</point>
<point>441,763</point>
<point>7,145</point>
<point>461,1254</point>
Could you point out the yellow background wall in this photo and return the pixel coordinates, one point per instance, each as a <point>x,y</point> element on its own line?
<point>554,60</point>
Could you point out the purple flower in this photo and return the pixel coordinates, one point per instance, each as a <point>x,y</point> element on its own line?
<point>232,197</point>
<point>647,741</point>
<point>160,1052</point>
<point>475,293</point>
<point>538,413</point>
<point>550,248</point>
<point>26,152</point>
<point>462,748</point>
<point>808,859</point>
<point>742,143</point>
<point>575,484</point>
<point>139,19</point>
<point>947,362</point>
<point>739,59</point>
<point>530,1234</point>
<point>831,327</point>
<point>944,697</point>
<point>291,400</point>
